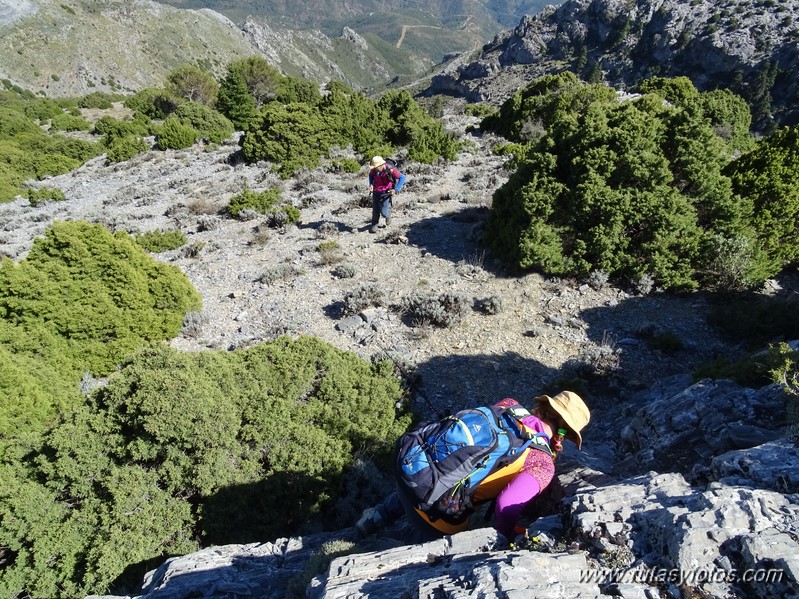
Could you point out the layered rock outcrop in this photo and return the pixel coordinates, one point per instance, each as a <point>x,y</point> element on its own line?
<point>752,48</point>
<point>686,488</point>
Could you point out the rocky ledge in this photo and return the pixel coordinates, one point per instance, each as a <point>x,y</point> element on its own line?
<point>695,492</point>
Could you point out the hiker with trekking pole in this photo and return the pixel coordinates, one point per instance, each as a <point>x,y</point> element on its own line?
<point>385,181</point>
<point>502,453</point>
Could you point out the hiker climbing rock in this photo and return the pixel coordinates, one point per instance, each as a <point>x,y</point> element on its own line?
<point>503,452</point>
<point>385,181</point>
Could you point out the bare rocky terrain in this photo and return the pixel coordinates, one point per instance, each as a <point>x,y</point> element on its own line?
<point>259,282</point>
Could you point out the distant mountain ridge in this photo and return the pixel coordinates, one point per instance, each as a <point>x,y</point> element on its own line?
<point>749,47</point>
<point>431,29</point>
<point>76,47</point>
<point>71,48</point>
<point>305,14</point>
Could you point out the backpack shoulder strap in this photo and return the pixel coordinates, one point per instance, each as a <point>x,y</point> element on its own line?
<point>513,417</point>
<point>540,442</point>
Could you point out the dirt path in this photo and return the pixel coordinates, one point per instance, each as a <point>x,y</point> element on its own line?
<point>405,30</point>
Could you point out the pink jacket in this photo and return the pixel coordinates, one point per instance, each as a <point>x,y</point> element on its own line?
<point>382,181</point>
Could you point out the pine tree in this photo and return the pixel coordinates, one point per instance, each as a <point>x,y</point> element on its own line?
<point>235,100</point>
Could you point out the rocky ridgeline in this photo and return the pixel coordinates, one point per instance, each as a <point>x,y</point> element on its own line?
<point>724,525</point>
<point>707,41</point>
<point>316,55</point>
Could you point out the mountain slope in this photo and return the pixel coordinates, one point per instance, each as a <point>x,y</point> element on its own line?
<point>69,48</point>
<point>430,29</point>
<point>74,48</point>
<point>257,287</point>
<point>331,15</point>
<point>751,48</point>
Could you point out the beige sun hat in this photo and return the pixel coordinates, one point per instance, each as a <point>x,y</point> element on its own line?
<point>377,161</point>
<point>572,409</point>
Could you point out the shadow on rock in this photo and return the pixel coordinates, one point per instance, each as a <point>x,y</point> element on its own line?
<point>455,236</point>
<point>478,380</point>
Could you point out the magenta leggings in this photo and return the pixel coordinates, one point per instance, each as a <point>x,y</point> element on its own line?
<point>511,502</point>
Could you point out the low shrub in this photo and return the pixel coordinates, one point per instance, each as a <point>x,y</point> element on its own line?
<point>260,236</point>
<point>153,103</point>
<point>262,202</point>
<point>293,214</point>
<point>755,370</point>
<point>173,134</point>
<point>597,279</point>
<point>443,310</point>
<point>49,165</point>
<point>10,184</point>
<point>192,250</point>
<point>210,124</point>
<point>99,100</point>
<point>125,148</point>
<point>161,241</point>
<point>208,222</point>
<point>346,165</point>
<point>344,271</point>
<point>330,252</point>
<point>69,122</point>
<point>42,110</point>
<point>326,229</point>
<point>365,296</point>
<point>479,110</point>
<point>784,371</point>
<point>490,305</point>
<point>112,128</point>
<point>45,194</point>
<point>734,265</point>
<point>281,272</point>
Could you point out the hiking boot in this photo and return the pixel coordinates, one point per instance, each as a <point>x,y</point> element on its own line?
<point>388,221</point>
<point>371,520</point>
<point>373,229</point>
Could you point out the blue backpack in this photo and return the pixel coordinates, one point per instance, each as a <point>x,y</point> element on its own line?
<point>440,464</point>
